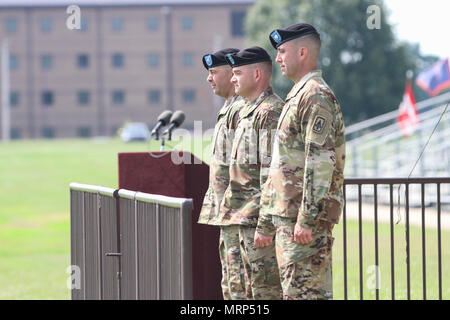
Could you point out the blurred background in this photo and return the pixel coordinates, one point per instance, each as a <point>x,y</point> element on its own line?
<point>85,73</point>
<point>71,80</point>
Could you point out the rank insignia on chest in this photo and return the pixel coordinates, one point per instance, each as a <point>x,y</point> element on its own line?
<point>319,124</point>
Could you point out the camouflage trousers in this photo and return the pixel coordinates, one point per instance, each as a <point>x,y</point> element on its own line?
<point>262,279</point>
<point>305,270</point>
<point>233,287</point>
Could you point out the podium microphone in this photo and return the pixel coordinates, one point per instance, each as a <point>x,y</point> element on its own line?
<point>175,121</point>
<point>163,120</point>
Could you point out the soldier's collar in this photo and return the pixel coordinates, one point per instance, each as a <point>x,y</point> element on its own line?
<point>296,88</point>
<point>262,96</point>
<point>252,105</point>
<point>227,105</point>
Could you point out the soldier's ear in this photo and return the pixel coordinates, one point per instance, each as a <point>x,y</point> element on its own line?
<point>258,73</point>
<point>303,52</point>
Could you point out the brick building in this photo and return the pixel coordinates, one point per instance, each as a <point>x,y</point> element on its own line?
<point>130,60</point>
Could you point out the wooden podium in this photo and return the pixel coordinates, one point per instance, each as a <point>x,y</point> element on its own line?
<point>158,173</point>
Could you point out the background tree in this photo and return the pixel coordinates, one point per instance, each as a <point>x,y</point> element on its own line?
<point>365,67</point>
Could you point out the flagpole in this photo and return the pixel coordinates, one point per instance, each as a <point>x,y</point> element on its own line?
<point>5,91</point>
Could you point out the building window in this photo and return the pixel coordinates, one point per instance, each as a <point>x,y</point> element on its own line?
<point>83,61</point>
<point>237,23</point>
<point>83,24</point>
<point>46,25</point>
<point>13,62</point>
<point>117,24</point>
<point>47,98</point>
<point>84,132</point>
<point>188,96</point>
<point>11,25</point>
<point>154,96</point>
<point>153,60</point>
<point>188,59</point>
<point>46,61</point>
<point>84,98</point>
<point>187,23</point>
<point>118,97</point>
<point>117,60</point>
<point>14,99</point>
<point>152,23</point>
<point>48,132</point>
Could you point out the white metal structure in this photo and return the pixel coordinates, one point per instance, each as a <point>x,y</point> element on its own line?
<point>377,148</point>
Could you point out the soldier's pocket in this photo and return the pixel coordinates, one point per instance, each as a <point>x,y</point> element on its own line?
<point>334,209</point>
<point>289,251</point>
<point>331,211</point>
<point>261,253</point>
<point>254,253</point>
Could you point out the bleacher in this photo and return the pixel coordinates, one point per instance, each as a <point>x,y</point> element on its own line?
<point>377,148</point>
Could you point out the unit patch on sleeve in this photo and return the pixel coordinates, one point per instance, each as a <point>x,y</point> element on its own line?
<point>319,125</point>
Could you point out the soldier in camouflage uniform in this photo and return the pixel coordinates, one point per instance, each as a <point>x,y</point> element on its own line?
<point>302,198</point>
<point>250,160</point>
<point>219,76</point>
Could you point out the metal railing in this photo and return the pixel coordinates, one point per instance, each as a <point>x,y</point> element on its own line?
<point>130,245</point>
<point>394,185</point>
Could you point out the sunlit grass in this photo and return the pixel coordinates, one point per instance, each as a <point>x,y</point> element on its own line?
<point>35,227</point>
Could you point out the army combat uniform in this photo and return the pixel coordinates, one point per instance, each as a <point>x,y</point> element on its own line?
<point>232,267</point>
<point>304,186</point>
<point>250,160</point>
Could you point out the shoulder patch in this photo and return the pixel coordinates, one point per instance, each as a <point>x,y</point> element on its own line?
<point>319,125</point>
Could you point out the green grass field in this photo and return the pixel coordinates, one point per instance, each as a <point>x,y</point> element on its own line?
<point>35,228</point>
<point>384,262</point>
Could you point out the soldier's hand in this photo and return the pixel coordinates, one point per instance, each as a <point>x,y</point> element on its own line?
<point>262,240</point>
<point>302,235</point>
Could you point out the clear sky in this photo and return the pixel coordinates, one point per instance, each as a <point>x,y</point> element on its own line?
<point>426,22</point>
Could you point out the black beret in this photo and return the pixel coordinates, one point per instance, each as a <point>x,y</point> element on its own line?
<point>248,56</point>
<point>218,58</point>
<point>280,36</point>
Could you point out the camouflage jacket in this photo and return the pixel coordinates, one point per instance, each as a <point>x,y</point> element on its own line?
<point>250,159</point>
<point>219,162</point>
<point>307,170</point>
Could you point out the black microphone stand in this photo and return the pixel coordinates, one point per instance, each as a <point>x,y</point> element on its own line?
<point>162,144</point>
<point>162,140</point>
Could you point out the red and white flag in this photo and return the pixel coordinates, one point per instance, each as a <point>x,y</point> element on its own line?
<point>408,117</point>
